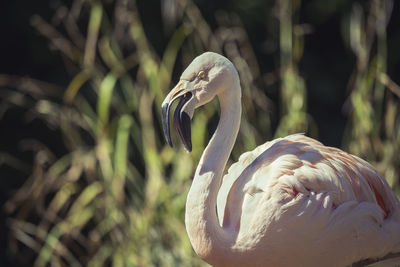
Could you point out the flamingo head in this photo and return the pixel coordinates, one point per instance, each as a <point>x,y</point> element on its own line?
<point>208,75</point>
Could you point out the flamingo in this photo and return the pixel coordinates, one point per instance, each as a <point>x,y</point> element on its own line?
<point>289,202</point>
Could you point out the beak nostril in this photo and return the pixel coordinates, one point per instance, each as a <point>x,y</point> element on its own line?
<point>187,95</point>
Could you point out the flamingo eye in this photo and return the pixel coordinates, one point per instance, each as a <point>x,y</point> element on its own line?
<point>201,74</point>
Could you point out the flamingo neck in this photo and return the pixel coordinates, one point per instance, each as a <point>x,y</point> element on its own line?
<point>208,238</point>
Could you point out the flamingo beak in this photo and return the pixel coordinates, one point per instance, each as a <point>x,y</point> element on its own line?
<point>182,115</point>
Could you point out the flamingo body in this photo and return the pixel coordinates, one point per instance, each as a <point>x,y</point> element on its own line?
<point>306,204</point>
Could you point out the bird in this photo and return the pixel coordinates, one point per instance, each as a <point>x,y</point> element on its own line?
<point>289,202</point>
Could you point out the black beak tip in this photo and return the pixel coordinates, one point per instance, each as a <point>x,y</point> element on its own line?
<point>165,122</point>
<point>185,130</point>
<point>188,148</point>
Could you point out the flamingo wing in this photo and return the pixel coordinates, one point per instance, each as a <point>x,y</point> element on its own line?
<point>277,176</point>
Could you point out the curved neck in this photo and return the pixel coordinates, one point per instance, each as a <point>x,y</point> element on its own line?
<point>208,238</point>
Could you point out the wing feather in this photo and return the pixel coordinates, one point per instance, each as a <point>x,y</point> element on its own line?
<point>297,163</point>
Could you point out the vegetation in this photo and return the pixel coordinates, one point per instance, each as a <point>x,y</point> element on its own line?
<point>115,194</point>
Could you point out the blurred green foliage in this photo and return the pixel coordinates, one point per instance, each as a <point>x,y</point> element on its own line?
<point>117,197</point>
